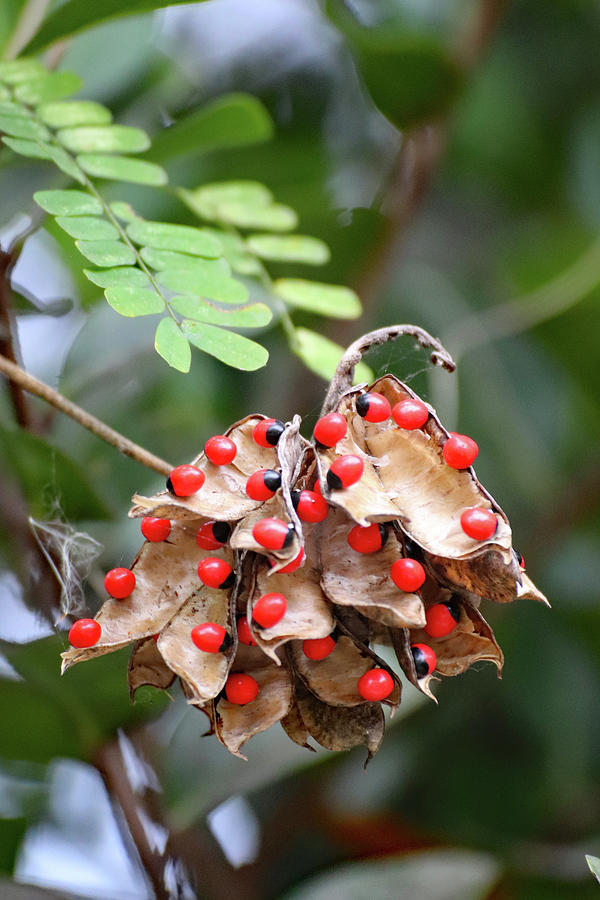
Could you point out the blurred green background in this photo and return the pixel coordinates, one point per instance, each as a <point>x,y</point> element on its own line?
<point>449,154</point>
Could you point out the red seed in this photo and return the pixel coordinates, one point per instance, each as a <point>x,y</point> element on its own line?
<point>241,689</point>
<point>479,524</point>
<point>376,684</point>
<point>373,407</point>
<point>408,575</point>
<point>310,506</point>
<point>425,659</point>
<point>367,538</point>
<point>460,451</point>
<point>291,566</point>
<point>318,648</point>
<point>262,485</point>
<point>119,583</point>
<point>84,633</point>
<point>410,414</point>
<point>441,619</point>
<point>330,429</point>
<point>273,534</point>
<point>185,480</point>
<point>209,637</point>
<point>345,471</point>
<point>220,450</point>
<point>269,610</point>
<point>213,535</point>
<point>268,432</point>
<point>243,632</point>
<point>215,572</point>
<point>155,529</point>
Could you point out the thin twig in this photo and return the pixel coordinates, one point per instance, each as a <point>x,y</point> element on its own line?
<point>7,340</point>
<point>34,386</point>
<point>28,23</point>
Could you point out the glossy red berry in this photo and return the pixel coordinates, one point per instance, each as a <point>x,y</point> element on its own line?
<point>479,524</point>
<point>460,451</point>
<point>268,432</point>
<point>213,535</point>
<point>373,407</point>
<point>520,559</point>
<point>269,610</point>
<point>442,618</point>
<point>273,534</point>
<point>291,566</point>
<point>155,529</point>
<point>243,632</point>
<point>263,484</point>
<point>410,414</point>
<point>368,538</point>
<point>84,633</point>
<point>310,506</point>
<point>317,488</point>
<point>210,637</point>
<point>216,573</point>
<point>185,480</point>
<point>408,575</point>
<point>330,429</point>
<point>119,583</point>
<point>318,648</point>
<point>376,684</point>
<point>220,450</point>
<point>345,471</point>
<point>425,659</point>
<point>241,689</point>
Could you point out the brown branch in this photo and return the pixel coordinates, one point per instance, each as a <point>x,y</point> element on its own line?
<point>7,341</point>
<point>96,426</point>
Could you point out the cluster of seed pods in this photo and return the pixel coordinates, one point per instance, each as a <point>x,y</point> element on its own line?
<point>274,566</point>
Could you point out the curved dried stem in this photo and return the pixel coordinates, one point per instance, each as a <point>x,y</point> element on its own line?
<point>342,379</point>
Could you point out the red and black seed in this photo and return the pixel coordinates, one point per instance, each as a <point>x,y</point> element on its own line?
<point>274,432</point>
<point>221,531</point>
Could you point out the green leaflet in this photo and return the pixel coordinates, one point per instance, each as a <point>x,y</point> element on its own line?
<point>289,248</point>
<point>123,276</point>
<point>13,71</point>
<point>68,203</point>
<point>208,199</point>
<point>207,279</point>
<point>88,228</point>
<point>323,299</point>
<point>122,168</point>
<point>123,211</point>
<point>321,356</point>
<point>65,163</point>
<point>104,139</point>
<point>183,238</point>
<point>9,108</point>
<point>27,148</point>
<point>233,349</point>
<point>133,301</point>
<point>594,865</point>
<point>236,253</point>
<point>48,87</point>
<point>70,113</point>
<point>106,253</point>
<point>257,315</point>
<point>4,93</point>
<point>172,345</point>
<point>22,127</point>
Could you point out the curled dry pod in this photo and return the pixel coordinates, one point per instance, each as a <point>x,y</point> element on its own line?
<point>295,728</point>
<point>146,666</point>
<point>341,727</point>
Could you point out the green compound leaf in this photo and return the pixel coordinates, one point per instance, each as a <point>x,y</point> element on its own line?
<point>245,204</point>
<point>65,163</point>
<point>122,168</point>
<point>48,87</point>
<point>323,299</point>
<point>321,356</point>
<point>88,228</point>
<point>289,248</point>
<point>133,301</point>
<point>172,345</point>
<point>236,253</point>
<point>104,139</point>
<point>21,126</point>
<point>27,148</point>
<point>106,253</point>
<point>71,113</point>
<point>124,276</point>
<point>183,238</point>
<point>14,71</point>
<point>233,349</point>
<point>208,278</point>
<point>231,121</point>
<point>257,315</point>
<point>68,203</point>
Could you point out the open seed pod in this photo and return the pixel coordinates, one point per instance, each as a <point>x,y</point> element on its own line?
<point>275,566</point>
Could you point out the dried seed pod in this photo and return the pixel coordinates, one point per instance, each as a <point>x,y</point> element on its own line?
<point>147,667</point>
<point>339,727</point>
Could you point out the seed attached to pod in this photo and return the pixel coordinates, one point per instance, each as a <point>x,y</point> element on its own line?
<point>84,633</point>
<point>243,632</point>
<point>373,407</point>
<point>269,610</point>
<point>479,524</point>
<point>273,534</point>
<point>310,506</point>
<point>318,648</point>
<point>368,538</point>
<point>460,451</point>
<point>119,583</point>
<point>241,689</point>
<point>185,480</point>
<point>376,684</point>
<point>441,618</point>
<point>210,637</point>
<point>408,575</point>
<point>345,471</point>
<point>216,573</point>
<point>330,429</point>
<point>220,450</point>
<point>213,535</point>
<point>268,432</point>
<point>155,529</point>
<point>263,484</point>
<point>291,566</point>
<point>520,559</point>
<point>410,414</point>
<point>425,659</point>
